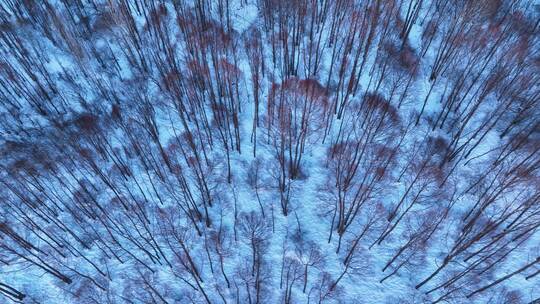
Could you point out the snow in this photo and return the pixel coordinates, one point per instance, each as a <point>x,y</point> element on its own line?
<point>313,196</point>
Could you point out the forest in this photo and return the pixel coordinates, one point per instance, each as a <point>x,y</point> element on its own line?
<point>270,151</point>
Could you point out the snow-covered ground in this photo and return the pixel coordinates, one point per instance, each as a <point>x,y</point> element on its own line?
<point>401,139</point>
